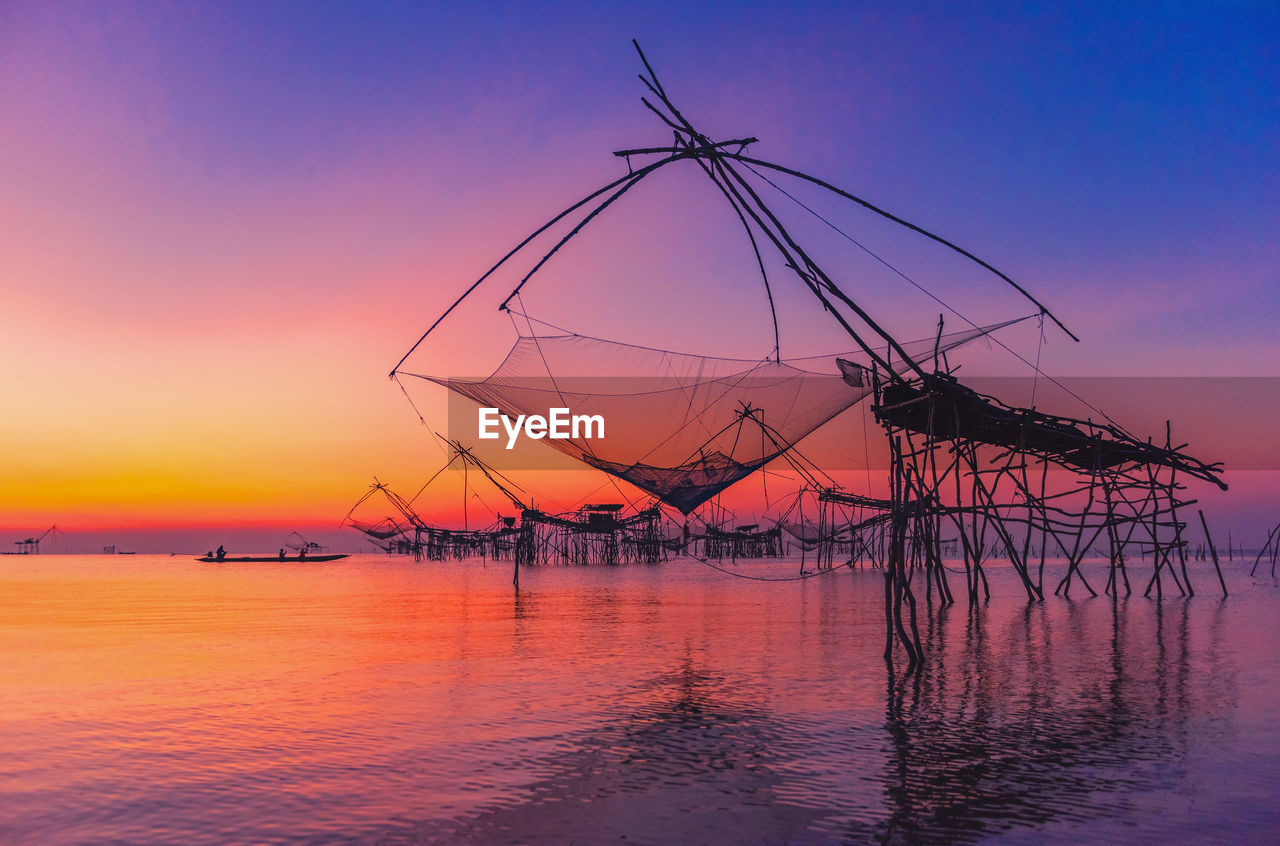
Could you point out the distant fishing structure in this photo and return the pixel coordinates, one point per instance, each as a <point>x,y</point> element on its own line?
<point>591,534</point>
<point>969,474</point>
<point>303,547</point>
<point>31,545</point>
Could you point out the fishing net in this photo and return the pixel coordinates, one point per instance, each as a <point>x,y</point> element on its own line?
<point>681,427</point>
<point>382,530</point>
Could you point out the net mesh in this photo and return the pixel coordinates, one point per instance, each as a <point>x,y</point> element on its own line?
<point>681,427</point>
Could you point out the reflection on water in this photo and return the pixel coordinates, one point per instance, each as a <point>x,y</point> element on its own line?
<point>380,701</point>
<point>1040,719</point>
<point>675,767</point>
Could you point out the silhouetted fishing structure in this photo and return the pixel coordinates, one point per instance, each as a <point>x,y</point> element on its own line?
<point>605,533</point>
<point>841,528</point>
<point>301,546</point>
<point>966,471</point>
<point>406,532</point>
<point>977,466</point>
<point>594,534</point>
<point>749,541</point>
<point>31,545</point>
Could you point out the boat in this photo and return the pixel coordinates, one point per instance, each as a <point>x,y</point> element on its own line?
<point>263,559</point>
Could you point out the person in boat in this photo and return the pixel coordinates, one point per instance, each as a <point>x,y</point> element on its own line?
<point>282,553</point>
<point>302,553</point>
<point>221,553</point>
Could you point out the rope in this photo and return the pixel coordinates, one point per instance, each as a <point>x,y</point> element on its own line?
<point>1035,382</point>
<point>421,419</point>
<point>559,394</point>
<point>427,484</point>
<point>939,301</point>
<point>754,361</point>
<point>800,578</point>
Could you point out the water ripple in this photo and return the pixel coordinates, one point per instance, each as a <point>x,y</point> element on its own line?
<point>381,701</point>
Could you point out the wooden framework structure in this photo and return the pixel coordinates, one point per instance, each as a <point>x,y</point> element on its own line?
<point>595,534</point>
<point>748,541</point>
<point>1025,486</point>
<point>31,545</point>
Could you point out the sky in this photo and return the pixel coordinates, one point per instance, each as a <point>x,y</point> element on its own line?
<point>221,224</point>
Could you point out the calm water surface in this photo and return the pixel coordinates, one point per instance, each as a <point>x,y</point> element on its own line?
<point>152,699</point>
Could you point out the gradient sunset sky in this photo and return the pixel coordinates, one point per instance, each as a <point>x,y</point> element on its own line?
<point>222,223</point>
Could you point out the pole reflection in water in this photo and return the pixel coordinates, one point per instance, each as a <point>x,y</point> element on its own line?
<point>1036,721</point>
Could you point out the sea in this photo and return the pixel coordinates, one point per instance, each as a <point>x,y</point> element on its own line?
<point>379,700</point>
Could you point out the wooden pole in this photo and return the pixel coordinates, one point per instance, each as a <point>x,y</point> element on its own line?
<point>1213,550</point>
